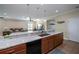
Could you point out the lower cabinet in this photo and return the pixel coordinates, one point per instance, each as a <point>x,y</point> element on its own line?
<point>44,45</point>
<point>47,44</point>
<point>19,49</point>
<point>51,42</point>
<point>58,39</point>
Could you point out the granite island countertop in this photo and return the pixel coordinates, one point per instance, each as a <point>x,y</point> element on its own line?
<point>9,42</point>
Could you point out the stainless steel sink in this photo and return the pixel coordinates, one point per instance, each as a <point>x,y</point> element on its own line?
<point>44,34</point>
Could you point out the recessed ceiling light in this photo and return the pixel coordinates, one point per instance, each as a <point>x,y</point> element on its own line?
<point>57,11</point>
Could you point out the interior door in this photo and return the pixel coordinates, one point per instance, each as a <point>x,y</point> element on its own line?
<point>73,27</point>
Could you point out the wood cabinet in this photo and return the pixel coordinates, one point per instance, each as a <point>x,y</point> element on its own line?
<point>44,45</point>
<point>58,39</point>
<point>47,44</point>
<point>19,49</point>
<point>51,42</point>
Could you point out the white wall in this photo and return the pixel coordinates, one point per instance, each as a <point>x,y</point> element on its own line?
<point>73,27</point>
<point>65,27</point>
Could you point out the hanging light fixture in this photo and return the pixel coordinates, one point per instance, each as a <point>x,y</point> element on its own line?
<point>28,18</point>
<point>38,8</point>
<point>44,13</point>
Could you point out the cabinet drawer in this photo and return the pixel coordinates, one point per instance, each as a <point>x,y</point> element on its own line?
<point>13,49</point>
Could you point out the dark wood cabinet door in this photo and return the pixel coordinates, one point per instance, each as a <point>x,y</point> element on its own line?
<point>14,50</point>
<point>58,39</point>
<point>21,49</point>
<point>44,45</point>
<point>51,42</point>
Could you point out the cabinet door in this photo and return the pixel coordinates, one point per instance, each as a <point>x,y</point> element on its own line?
<point>21,49</point>
<point>45,47</point>
<point>14,50</point>
<point>58,39</point>
<point>51,42</point>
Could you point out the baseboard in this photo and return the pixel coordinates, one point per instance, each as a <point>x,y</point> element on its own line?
<point>74,41</point>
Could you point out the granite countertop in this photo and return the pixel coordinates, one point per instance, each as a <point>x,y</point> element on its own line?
<point>9,42</point>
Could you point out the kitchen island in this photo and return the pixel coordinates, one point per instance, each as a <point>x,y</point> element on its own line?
<point>18,44</point>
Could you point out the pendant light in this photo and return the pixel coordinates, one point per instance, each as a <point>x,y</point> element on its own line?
<point>44,13</point>
<point>28,18</point>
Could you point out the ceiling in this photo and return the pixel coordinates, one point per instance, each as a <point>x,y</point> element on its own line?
<point>21,11</point>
